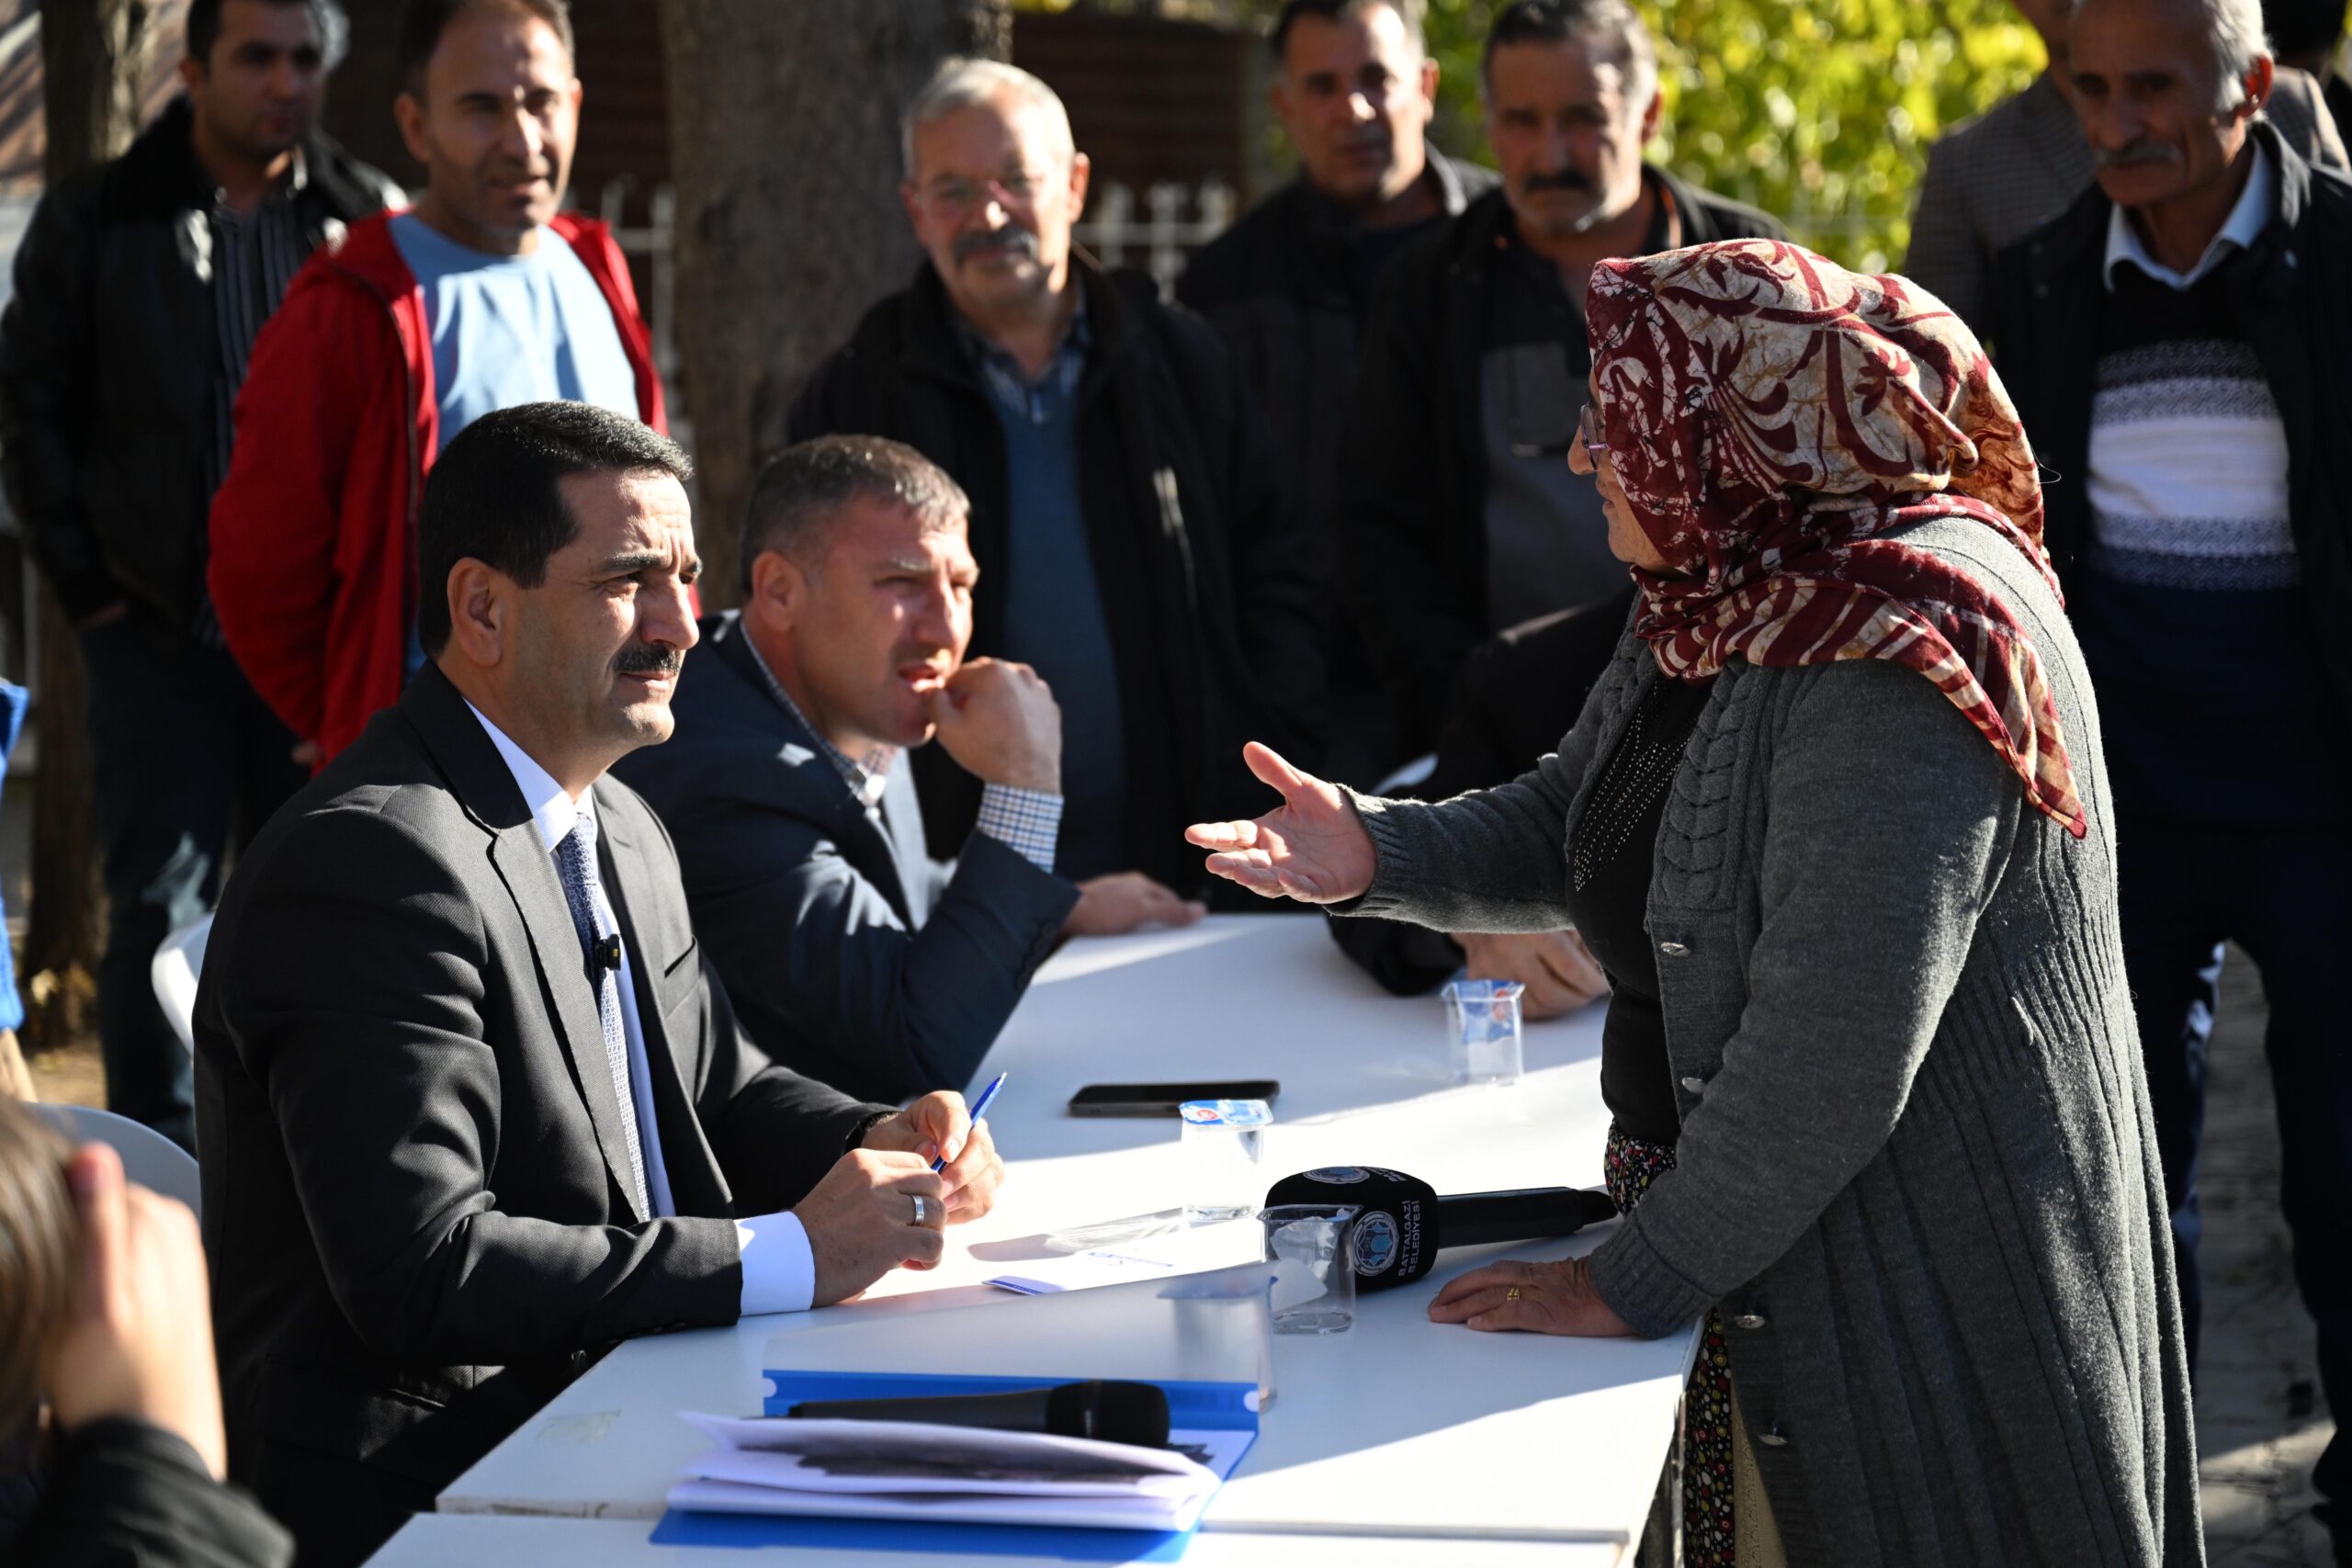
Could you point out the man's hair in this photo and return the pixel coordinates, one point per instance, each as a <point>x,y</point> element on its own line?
<point>803,490</point>
<point>424,21</point>
<point>1610,29</point>
<point>204,28</point>
<point>961,83</point>
<point>40,1257</point>
<point>495,495</point>
<point>1409,12</point>
<point>2235,28</point>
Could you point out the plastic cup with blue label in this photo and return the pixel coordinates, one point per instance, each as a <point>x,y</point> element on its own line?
<point>1219,1155</point>
<point>1482,1028</point>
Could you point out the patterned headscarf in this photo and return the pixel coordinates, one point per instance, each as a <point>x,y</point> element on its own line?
<point>1772,417</point>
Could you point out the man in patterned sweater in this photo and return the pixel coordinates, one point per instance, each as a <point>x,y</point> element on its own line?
<point>2176,343</point>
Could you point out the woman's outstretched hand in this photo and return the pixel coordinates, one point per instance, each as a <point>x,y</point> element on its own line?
<point>1313,848</point>
<point>1536,1298</point>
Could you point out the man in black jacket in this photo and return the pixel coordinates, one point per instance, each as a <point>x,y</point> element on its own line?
<point>1135,544</point>
<point>481,1109</point>
<point>140,288</point>
<point>1291,284</point>
<point>2176,344</point>
<point>1458,516</point>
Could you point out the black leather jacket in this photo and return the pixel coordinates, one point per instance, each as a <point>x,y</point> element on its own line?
<point>106,365</point>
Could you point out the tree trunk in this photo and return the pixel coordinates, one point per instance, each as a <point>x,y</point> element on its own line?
<point>93,56</point>
<point>785,121</point>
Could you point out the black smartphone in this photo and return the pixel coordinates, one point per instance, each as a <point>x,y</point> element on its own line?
<point>1162,1099</point>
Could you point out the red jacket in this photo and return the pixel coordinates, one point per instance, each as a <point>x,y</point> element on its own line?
<point>314,570</point>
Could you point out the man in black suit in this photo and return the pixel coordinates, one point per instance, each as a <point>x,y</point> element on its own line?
<point>852,955</point>
<point>470,1104</point>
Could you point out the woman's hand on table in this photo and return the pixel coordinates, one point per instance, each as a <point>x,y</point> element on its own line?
<point>1556,968</point>
<point>1537,1298</point>
<point>1313,848</point>
<point>938,1121</point>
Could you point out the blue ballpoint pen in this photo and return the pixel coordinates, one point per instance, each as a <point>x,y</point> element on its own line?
<point>987,1098</point>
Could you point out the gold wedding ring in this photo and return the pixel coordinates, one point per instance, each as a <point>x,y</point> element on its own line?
<point>1509,1296</point>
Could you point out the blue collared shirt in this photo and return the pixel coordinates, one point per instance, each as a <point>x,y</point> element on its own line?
<point>779,1270</point>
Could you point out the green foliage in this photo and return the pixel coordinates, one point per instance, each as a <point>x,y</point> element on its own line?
<point>1818,111</point>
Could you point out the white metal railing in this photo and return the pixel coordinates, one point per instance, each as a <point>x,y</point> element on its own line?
<point>1164,233</point>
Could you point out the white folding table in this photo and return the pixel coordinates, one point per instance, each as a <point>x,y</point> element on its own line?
<point>1398,1429</point>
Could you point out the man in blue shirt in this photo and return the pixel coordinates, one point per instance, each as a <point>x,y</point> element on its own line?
<point>485,296</point>
<point>1135,542</point>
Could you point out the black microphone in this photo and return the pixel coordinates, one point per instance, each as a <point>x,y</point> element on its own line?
<point>606,953</point>
<point>1133,1412</point>
<point>1405,1222</point>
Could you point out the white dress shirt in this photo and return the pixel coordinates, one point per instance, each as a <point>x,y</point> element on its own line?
<point>779,1270</point>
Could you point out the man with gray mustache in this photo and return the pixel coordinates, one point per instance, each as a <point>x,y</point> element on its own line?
<point>2176,343</point>
<point>1135,542</point>
<point>1457,515</point>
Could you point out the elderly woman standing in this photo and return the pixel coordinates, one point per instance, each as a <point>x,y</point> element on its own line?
<point>1836,826</point>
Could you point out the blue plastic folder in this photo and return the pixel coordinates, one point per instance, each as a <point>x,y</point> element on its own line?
<point>1192,1406</point>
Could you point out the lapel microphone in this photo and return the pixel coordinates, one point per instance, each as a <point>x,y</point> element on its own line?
<point>605,954</point>
<point>1405,1222</point>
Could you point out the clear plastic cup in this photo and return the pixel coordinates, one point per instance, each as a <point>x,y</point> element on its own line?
<point>1220,1156</point>
<point>1312,1248</point>
<point>1482,1030</point>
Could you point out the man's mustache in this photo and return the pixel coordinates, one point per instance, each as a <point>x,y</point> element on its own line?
<point>2135,155</point>
<point>649,659</point>
<point>1559,179</point>
<point>1016,242</point>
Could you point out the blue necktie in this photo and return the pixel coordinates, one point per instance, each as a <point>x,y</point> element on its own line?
<point>575,862</point>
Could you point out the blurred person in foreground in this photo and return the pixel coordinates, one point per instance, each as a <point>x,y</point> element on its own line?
<point>1456,515</point>
<point>2176,343</point>
<point>1291,283</point>
<point>110,1444</point>
<point>484,295</point>
<point>1994,179</point>
<point>850,952</point>
<point>140,287</point>
<point>487,1109</point>
<point>1837,828</point>
<point>1135,544</point>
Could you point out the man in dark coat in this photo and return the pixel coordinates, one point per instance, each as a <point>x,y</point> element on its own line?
<point>474,1106</point>
<point>1290,286</point>
<point>1458,516</point>
<point>2176,344</point>
<point>1134,543</point>
<point>140,286</point>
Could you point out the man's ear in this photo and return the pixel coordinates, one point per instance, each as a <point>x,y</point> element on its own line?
<point>192,72</point>
<point>1651,116</point>
<point>2258,81</point>
<point>407,112</point>
<point>481,606</point>
<point>779,596</point>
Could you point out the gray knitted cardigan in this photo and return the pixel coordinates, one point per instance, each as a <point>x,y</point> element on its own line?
<point>1916,1167</point>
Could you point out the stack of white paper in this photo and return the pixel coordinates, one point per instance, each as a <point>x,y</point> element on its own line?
<point>909,1470</point>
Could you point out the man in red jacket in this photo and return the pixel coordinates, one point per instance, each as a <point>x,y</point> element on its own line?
<point>483,297</point>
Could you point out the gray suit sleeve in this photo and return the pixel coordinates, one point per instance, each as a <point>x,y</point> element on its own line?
<point>1890,819</point>
<point>1945,257</point>
<point>361,1015</point>
<point>1494,860</point>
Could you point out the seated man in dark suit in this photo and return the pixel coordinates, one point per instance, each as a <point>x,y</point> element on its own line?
<point>853,956</point>
<point>470,1104</point>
